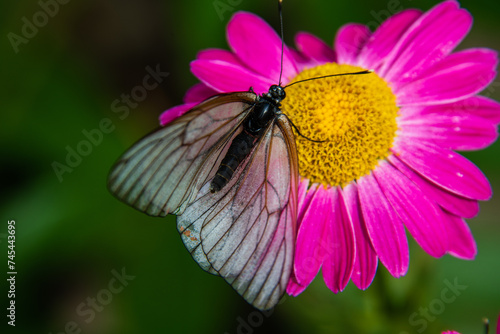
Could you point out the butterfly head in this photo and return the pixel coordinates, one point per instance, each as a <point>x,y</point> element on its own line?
<point>275,95</point>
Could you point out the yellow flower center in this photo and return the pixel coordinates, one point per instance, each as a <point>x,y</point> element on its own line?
<point>355,116</point>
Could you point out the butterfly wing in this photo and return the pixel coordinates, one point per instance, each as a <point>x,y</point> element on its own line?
<point>163,172</point>
<point>246,231</point>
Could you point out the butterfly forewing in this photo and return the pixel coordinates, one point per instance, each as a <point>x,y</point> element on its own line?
<point>163,172</point>
<point>246,231</point>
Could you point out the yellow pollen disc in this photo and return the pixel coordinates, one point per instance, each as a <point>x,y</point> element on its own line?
<point>355,115</point>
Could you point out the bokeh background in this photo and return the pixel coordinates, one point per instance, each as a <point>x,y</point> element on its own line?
<point>72,234</point>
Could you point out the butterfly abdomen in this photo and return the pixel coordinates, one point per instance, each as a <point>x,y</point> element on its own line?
<point>240,148</point>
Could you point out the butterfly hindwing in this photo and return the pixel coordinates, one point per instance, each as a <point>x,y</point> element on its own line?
<point>246,231</point>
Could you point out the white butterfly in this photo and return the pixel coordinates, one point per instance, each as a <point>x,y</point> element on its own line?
<point>228,169</point>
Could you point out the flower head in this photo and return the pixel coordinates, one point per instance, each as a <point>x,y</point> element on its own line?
<point>386,160</point>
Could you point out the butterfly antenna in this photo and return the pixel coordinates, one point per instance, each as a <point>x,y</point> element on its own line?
<point>280,11</point>
<point>300,134</point>
<point>330,75</point>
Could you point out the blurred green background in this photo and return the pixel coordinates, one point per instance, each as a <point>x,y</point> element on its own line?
<point>72,234</point>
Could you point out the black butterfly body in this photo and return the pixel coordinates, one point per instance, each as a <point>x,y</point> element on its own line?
<point>228,169</point>
<point>264,111</point>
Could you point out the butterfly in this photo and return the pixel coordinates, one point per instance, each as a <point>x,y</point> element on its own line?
<point>228,169</point>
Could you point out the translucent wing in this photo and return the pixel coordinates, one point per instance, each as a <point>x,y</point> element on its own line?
<point>163,172</point>
<point>246,232</point>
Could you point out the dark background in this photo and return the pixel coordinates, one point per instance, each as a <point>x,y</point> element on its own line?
<point>71,233</point>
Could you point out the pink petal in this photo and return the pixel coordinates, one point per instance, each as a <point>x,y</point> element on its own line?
<point>458,76</point>
<point>460,59</point>
<point>365,264</point>
<point>219,54</point>
<point>478,105</point>
<point>304,198</point>
<point>340,249</point>
<point>258,46</point>
<point>349,41</point>
<point>302,61</point>
<point>293,288</point>
<point>454,130</point>
<point>457,205</point>
<point>427,41</point>
<point>443,167</point>
<point>314,48</point>
<point>384,227</point>
<point>462,243</point>
<point>310,249</point>
<point>419,214</point>
<point>225,77</point>
<point>383,40</point>
<point>170,114</point>
<point>198,93</point>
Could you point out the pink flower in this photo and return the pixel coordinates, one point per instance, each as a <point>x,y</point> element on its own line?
<point>388,161</point>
